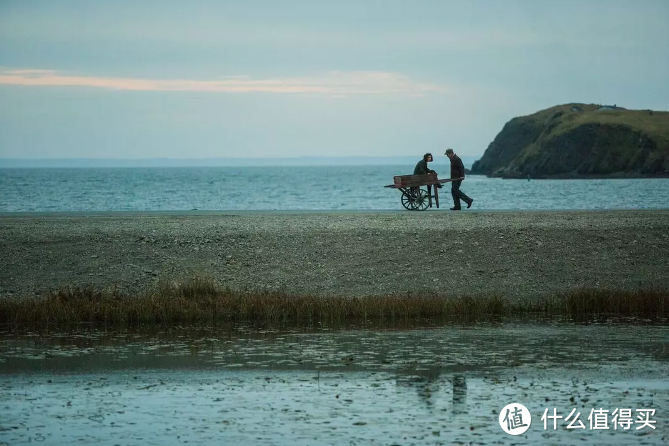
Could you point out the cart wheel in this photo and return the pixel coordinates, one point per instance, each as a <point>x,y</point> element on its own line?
<point>408,201</point>
<point>421,201</point>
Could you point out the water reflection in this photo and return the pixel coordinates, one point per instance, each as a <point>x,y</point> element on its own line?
<point>428,382</point>
<point>459,394</point>
<point>461,350</point>
<point>210,387</point>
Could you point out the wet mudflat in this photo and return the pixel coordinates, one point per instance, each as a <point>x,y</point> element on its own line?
<point>442,385</point>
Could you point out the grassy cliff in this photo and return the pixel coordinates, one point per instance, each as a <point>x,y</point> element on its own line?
<point>580,141</point>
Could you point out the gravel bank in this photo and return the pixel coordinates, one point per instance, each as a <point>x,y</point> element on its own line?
<point>514,254</point>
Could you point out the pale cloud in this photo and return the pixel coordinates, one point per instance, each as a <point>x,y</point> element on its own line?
<point>335,84</point>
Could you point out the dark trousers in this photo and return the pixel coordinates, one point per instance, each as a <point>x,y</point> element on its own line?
<point>458,194</point>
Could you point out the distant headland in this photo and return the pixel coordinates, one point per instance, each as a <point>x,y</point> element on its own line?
<point>580,141</point>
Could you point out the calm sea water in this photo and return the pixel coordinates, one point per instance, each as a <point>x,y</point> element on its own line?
<point>295,188</point>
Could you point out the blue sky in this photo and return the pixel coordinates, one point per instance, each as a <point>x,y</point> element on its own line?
<point>197,79</point>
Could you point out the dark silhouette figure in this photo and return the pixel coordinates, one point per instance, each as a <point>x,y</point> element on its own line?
<point>422,169</point>
<point>457,175</point>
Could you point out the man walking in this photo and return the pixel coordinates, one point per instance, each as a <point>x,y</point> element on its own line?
<point>457,175</point>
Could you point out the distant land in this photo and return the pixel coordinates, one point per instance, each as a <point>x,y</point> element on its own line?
<point>409,161</point>
<point>580,141</point>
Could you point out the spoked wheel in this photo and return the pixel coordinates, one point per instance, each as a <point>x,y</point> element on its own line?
<point>408,201</point>
<point>422,200</point>
<point>417,200</point>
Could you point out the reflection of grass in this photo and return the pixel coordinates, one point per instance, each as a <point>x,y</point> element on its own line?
<point>201,300</point>
<point>623,303</point>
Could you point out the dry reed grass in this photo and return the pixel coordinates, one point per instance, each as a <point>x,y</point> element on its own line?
<point>201,301</point>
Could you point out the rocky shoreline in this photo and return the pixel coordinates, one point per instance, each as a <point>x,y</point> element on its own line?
<point>511,254</point>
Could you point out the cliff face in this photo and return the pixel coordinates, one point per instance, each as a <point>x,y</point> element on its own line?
<point>580,141</point>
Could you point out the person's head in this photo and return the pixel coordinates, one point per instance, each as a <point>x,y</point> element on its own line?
<point>428,157</point>
<point>449,153</point>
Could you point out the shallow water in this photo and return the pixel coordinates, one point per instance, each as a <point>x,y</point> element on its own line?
<point>363,386</point>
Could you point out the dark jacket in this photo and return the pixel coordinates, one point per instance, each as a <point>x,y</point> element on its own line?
<point>457,168</point>
<point>421,168</point>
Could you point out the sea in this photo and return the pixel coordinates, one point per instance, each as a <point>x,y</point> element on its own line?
<point>287,188</point>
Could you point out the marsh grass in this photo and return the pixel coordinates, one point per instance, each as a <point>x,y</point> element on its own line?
<point>201,300</point>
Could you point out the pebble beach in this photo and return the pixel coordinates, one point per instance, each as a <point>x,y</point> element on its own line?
<point>511,254</point>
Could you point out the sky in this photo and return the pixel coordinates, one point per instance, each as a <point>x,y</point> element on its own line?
<point>252,78</point>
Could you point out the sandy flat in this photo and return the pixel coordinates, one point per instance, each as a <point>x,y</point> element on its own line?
<point>513,254</point>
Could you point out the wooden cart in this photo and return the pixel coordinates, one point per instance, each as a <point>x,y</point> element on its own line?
<point>413,197</point>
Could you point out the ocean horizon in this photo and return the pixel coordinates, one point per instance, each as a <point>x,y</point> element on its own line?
<point>228,161</point>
